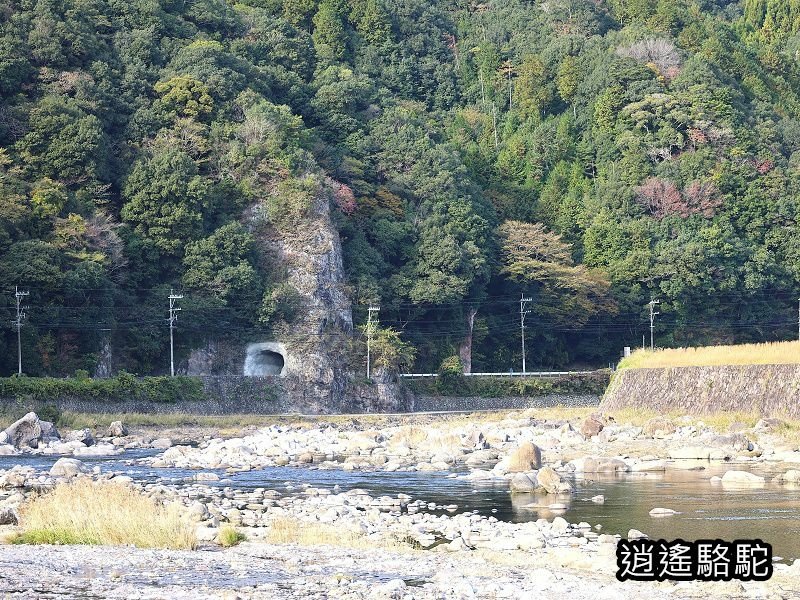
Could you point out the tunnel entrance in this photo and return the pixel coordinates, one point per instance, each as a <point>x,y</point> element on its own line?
<point>265,359</point>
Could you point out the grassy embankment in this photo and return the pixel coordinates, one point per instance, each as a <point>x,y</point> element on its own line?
<point>775,353</point>
<point>89,512</point>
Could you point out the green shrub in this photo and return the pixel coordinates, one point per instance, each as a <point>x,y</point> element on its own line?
<point>502,387</point>
<point>49,412</point>
<point>230,536</point>
<point>124,386</point>
<point>451,375</point>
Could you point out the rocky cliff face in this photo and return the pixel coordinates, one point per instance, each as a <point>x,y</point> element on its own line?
<point>311,258</point>
<point>312,352</point>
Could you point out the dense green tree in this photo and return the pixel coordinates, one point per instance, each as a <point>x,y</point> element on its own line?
<point>647,147</point>
<point>165,200</point>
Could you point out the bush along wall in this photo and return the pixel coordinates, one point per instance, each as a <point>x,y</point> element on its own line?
<point>123,387</point>
<point>501,387</point>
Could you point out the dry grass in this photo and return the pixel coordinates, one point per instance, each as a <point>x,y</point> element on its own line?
<point>288,530</point>
<point>775,353</point>
<point>89,512</point>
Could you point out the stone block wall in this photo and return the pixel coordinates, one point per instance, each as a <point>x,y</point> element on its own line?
<point>768,390</point>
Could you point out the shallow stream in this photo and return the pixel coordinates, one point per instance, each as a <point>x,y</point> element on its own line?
<point>706,511</point>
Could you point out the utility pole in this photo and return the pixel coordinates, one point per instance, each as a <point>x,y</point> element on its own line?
<point>18,296</point>
<point>522,312</point>
<point>653,313</point>
<point>370,310</point>
<point>173,317</point>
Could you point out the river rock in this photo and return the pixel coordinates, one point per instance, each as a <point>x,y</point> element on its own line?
<point>559,526</point>
<point>592,464</point>
<point>599,499</point>
<point>7,450</point>
<point>662,512</point>
<point>790,476</point>
<point>68,467</point>
<point>551,482</point>
<point>161,443</point>
<point>49,431</point>
<point>206,534</point>
<point>117,429</point>
<point>635,534</point>
<point>591,426</point>
<point>648,465</point>
<point>688,452</point>
<point>658,427</point>
<point>102,449</point>
<point>524,483</point>
<point>26,432</point>
<point>8,516</point>
<point>84,436</point>
<point>197,512</point>
<point>741,479</point>
<point>527,457</point>
<point>457,545</point>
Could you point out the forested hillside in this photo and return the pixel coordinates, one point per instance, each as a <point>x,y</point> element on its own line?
<point>590,155</point>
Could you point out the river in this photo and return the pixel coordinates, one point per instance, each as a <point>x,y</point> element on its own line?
<point>705,511</point>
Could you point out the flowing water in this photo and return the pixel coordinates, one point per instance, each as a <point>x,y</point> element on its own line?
<point>706,511</point>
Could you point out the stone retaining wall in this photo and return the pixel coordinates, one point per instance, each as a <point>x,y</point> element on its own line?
<point>243,395</point>
<point>435,403</point>
<point>769,390</point>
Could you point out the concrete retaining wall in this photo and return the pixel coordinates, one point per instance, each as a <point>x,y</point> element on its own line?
<point>769,390</point>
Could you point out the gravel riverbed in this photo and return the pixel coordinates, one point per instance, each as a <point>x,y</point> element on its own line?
<point>391,546</point>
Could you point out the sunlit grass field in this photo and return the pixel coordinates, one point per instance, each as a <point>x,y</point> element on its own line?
<point>775,353</point>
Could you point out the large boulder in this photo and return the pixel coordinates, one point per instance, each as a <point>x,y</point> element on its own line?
<point>524,483</point>
<point>527,457</point>
<point>591,426</point>
<point>27,432</point>
<point>117,429</point>
<point>551,482</point>
<point>49,431</point>
<point>68,467</point>
<point>741,479</point>
<point>84,436</point>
